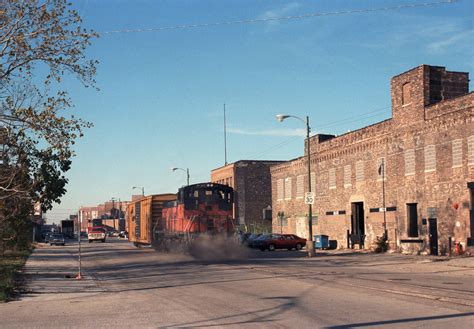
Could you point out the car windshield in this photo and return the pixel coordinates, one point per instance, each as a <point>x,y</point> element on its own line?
<point>263,237</point>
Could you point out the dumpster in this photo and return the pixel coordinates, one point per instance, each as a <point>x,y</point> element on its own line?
<point>321,241</point>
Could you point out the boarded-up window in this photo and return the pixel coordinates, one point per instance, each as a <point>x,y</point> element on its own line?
<point>382,168</point>
<point>360,171</point>
<point>300,186</point>
<point>280,189</point>
<point>406,94</point>
<point>470,150</point>
<point>288,188</point>
<point>313,181</point>
<point>457,153</point>
<point>430,158</point>
<point>332,178</point>
<point>410,162</point>
<point>347,175</point>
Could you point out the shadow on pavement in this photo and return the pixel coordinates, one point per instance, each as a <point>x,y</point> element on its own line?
<point>387,322</point>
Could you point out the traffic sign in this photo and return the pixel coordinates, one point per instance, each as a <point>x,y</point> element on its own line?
<point>309,198</point>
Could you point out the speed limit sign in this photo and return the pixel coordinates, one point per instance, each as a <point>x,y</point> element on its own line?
<point>309,198</point>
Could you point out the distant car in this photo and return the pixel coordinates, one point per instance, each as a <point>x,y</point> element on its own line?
<point>279,241</point>
<point>57,239</point>
<point>123,235</point>
<point>47,236</point>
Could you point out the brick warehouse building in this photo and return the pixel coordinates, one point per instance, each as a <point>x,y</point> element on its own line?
<point>427,149</point>
<point>251,181</point>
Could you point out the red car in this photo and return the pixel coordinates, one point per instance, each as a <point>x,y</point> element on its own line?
<point>279,241</point>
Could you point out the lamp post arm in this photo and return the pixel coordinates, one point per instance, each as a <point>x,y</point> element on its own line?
<point>301,119</point>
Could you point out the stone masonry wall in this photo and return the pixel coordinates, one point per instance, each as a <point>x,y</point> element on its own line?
<point>425,151</point>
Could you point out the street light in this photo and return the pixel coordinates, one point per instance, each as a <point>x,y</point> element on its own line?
<point>185,170</point>
<point>141,187</point>
<point>310,242</point>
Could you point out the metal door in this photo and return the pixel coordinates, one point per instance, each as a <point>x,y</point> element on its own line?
<point>358,224</point>
<point>433,236</point>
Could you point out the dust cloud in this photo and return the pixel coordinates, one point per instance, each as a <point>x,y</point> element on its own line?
<point>216,248</point>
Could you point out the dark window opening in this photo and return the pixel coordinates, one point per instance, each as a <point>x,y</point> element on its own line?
<point>412,216</point>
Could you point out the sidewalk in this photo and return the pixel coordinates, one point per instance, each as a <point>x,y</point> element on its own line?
<point>51,269</point>
<point>464,261</point>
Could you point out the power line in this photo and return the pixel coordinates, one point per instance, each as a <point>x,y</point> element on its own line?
<point>283,18</point>
<point>354,118</point>
<point>362,116</point>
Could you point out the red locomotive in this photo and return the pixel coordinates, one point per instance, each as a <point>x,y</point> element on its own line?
<point>204,208</point>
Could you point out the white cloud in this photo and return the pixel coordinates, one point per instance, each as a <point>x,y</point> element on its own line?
<point>277,13</point>
<point>446,43</point>
<point>270,132</point>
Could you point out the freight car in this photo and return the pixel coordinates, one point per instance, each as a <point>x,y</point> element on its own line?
<point>199,209</point>
<point>144,218</point>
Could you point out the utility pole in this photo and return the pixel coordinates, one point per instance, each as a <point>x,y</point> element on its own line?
<point>112,212</point>
<point>385,234</point>
<point>79,220</point>
<point>309,243</point>
<point>225,139</point>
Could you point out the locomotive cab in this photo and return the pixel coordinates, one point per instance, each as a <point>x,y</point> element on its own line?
<point>208,194</point>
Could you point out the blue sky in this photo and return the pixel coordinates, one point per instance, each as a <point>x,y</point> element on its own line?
<point>160,103</point>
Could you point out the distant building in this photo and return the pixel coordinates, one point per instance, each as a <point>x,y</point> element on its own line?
<point>251,181</point>
<point>111,213</point>
<point>417,168</point>
<point>86,215</point>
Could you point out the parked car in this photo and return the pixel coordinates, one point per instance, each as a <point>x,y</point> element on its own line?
<point>242,237</point>
<point>57,239</point>
<point>251,238</point>
<point>279,241</point>
<point>47,236</point>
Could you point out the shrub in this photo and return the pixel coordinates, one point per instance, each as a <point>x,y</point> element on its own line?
<point>381,245</point>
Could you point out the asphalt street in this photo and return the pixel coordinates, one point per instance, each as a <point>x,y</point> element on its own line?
<point>126,287</point>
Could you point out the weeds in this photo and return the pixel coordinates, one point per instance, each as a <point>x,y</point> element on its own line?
<point>10,264</point>
<point>381,245</point>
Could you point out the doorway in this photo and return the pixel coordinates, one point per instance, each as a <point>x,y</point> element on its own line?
<point>357,235</point>
<point>433,236</point>
<point>471,213</point>
<point>357,219</point>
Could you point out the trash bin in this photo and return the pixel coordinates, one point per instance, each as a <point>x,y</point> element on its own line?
<point>321,241</point>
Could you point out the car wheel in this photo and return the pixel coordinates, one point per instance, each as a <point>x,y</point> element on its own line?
<point>103,240</point>
<point>298,246</point>
<point>271,247</point>
<point>63,244</point>
<point>50,244</point>
<point>90,241</point>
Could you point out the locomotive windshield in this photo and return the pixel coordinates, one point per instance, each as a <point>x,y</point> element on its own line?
<point>208,194</point>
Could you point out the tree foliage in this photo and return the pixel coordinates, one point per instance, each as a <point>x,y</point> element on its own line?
<point>40,43</point>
